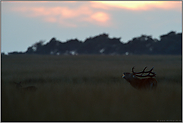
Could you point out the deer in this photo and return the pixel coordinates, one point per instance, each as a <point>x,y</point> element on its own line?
<point>28,88</point>
<point>138,83</point>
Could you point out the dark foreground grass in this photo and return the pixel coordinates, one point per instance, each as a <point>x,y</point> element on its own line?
<point>89,88</point>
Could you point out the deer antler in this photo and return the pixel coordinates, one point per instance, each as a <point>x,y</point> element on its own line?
<point>148,75</point>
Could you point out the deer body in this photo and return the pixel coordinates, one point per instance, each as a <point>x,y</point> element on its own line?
<point>145,83</point>
<point>29,88</point>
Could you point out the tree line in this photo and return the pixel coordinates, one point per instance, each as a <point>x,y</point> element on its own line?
<point>169,44</point>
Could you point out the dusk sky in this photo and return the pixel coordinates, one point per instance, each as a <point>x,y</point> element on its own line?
<point>24,23</point>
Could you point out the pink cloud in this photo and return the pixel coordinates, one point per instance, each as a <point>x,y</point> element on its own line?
<point>100,16</point>
<point>64,15</point>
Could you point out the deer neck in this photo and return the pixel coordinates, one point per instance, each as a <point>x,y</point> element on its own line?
<point>134,80</point>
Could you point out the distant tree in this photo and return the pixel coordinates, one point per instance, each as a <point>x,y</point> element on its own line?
<point>34,48</point>
<point>15,53</point>
<point>2,53</point>
<point>140,45</point>
<point>170,43</point>
<point>38,44</point>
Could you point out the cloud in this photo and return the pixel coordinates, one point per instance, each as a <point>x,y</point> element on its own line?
<point>65,15</point>
<point>100,17</point>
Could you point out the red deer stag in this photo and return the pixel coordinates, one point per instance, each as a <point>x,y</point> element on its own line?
<point>146,83</point>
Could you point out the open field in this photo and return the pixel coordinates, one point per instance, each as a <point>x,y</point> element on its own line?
<point>89,88</point>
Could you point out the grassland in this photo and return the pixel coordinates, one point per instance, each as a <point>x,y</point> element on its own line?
<point>89,88</point>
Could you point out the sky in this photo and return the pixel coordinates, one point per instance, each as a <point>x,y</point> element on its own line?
<point>24,23</point>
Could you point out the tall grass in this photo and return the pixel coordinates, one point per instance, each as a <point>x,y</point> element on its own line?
<point>89,88</point>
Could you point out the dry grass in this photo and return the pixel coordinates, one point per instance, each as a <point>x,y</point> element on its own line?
<point>89,88</point>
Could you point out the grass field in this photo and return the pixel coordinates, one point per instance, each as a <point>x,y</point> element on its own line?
<point>89,88</point>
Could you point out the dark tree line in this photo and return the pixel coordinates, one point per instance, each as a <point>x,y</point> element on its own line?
<point>169,44</point>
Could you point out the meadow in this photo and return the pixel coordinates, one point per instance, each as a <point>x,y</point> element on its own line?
<point>89,88</point>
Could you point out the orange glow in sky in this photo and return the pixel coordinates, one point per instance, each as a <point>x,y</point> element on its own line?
<point>141,5</point>
<point>100,16</point>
